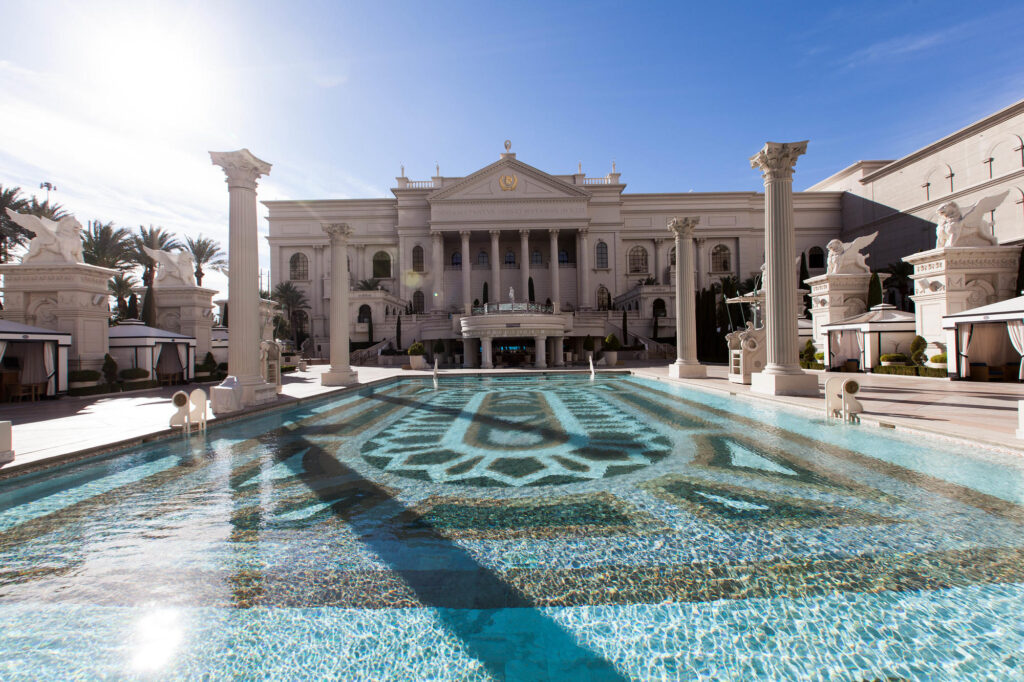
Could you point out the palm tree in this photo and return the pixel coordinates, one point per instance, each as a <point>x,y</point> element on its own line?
<point>45,209</point>
<point>292,300</point>
<point>154,238</point>
<point>107,246</point>
<point>371,284</point>
<point>122,287</point>
<point>11,234</point>
<point>899,279</point>
<point>205,251</point>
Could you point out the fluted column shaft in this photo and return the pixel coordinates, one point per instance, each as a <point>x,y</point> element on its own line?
<point>341,372</point>
<point>657,260</point>
<point>487,361</point>
<point>437,299</point>
<point>494,292</point>
<point>467,271</point>
<point>524,265</point>
<point>686,364</point>
<point>540,352</point>
<point>553,265</point>
<point>584,265</point>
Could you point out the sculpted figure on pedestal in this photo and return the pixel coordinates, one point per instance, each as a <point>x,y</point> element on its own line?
<point>54,242</point>
<point>845,258</point>
<point>967,228</point>
<point>174,268</point>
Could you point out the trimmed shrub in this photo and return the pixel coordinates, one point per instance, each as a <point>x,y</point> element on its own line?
<point>611,342</point>
<point>109,369</point>
<point>417,349</point>
<point>807,354</point>
<point>819,356</point>
<point>285,369</point>
<point>134,373</point>
<point>94,390</point>
<point>222,367</point>
<point>811,365</point>
<point>588,343</point>
<point>893,357</point>
<point>139,385</point>
<point>898,369</point>
<point>438,346</point>
<point>874,290</point>
<point>938,358</point>
<point>932,372</point>
<point>83,375</point>
<point>917,347</point>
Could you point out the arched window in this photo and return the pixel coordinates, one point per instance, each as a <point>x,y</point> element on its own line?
<point>364,313</point>
<point>301,322</point>
<point>417,258</point>
<point>563,257</point>
<point>721,259</point>
<point>604,298</point>
<point>457,260</point>
<point>659,308</point>
<point>816,258</point>
<point>638,259</point>
<point>417,302</point>
<point>381,265</point>
<point>510,258</point>
<point>298,267</point>
<point>535,258</point>
<point>601,253</point>
<point>482,259</point>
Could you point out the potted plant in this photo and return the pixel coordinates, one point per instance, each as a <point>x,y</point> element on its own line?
<point>438,349</point>
<point>588,347</point>
<point>417,356</point>
<point>611,348</point>
<point>83,378</point>
<point>938,361</point>
<point>891,359</point>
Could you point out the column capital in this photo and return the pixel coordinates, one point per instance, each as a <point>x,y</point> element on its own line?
<point>465,233</point>
<point>583,231</point>
<point>494,233</point>
<point>524,233</point>
<point>777,159</point>
<point>241,167</point>
<point>553,231</point>
<point>337,231</point>
<point>683,227</point>
<point>658,241</point>
<point>436,236</point>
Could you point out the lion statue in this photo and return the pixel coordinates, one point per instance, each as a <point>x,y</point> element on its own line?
<point>174,268</point>
<point>845,258</point>
<point>967,228</point>
<point>55,242</point>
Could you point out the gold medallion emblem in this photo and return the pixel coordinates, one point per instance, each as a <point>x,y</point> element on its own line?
<point>508,182</point>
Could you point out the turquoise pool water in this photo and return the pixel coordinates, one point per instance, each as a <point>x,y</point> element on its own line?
<point>520,528</point>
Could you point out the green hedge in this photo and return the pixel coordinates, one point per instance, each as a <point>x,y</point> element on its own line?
<point>910,371</point>
<point>941,357</point>
<point>138,385</point>
<point>811,365</point>
<point>133,373</point>
<point>893,357</point>
<point>285,369</point>
<point>83,375</point>
<point>94,390</point>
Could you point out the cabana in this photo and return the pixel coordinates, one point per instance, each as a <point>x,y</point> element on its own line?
<point>867,336</point>
<point>34,361</point>
<point>166,355</point>
<point>989,341</point>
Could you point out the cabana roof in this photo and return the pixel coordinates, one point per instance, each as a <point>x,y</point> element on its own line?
<point>1003,311</point>
<point>16,331</point>
<point>882,317</point>
<point>133,329</point>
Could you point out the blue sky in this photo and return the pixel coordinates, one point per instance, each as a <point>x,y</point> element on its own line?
<point>118,103</point>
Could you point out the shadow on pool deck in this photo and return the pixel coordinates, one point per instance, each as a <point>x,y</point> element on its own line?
<point>470,599</point>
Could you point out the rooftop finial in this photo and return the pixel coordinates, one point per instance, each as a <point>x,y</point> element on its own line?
<point>403,170</point>
<point>437,169</point>
<point>613,165</point>
<point>579,168</point>
<point>508,145</point>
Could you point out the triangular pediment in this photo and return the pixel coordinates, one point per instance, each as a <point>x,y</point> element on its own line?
<point>509,179</point>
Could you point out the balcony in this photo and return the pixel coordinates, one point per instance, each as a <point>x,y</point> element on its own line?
<point>513,308</point>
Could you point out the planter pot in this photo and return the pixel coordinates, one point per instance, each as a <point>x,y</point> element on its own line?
<point>936,365</point>
<point>611,357</point>
<point>418,361</point>
<point>886,363</point>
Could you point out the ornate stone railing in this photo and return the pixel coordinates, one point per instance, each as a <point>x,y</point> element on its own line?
<point>512,308</point>
<point>597,181</point>
<point>420,184</point>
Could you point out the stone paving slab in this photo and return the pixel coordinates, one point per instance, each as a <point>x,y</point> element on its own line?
<point>977,412</point>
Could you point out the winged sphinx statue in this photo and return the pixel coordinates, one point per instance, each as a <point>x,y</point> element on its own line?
<point>55,242</point>
<point>967,228</point>
<point>174,268</point>
<point>845,258</point>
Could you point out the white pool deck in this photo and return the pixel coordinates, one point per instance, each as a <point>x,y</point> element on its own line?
<point>983,413</point>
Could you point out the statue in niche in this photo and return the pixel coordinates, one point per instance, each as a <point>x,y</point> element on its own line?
<point>967,228</point>
<point>511,295</point>
<point>55,242</point>
<point>845,258</point>
<point>174,268</point>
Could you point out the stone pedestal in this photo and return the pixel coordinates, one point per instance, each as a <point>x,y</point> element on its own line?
<point>186,310</point>
<point>67,297</point>
<point>245,386</point>
<point>782,374</point>
<point>835,297</point>
<point>952,279</point>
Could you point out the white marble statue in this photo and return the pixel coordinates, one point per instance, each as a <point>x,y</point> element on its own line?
<point>174,268</point>
<point>845,258</point>
<point>967,228</point>
<point>56,242</point>
<point>511,295</point>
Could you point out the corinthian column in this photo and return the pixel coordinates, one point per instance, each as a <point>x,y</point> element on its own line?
<point>495,288</point>
<point>583,263</point>
<point>467,273</point>
<point>782,374</point>
<point>341,373</point>
<point>437,299</point>
<point>524,265</point>
<point>553,265</point>
<point>686,364</point>
<point>245,386</point>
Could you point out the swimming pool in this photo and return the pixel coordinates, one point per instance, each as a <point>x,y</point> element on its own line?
<point>541,527</point>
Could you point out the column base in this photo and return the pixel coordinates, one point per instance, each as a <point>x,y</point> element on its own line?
<point>233,394</point>
<point>785,384</point>
<point>687,370</point>
<point>341,377</point>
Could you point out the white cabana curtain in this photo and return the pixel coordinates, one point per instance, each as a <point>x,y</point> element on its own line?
<point>183,356</point>
<point>844,345</point>
<point>1015,328</point>
<point>858,337</point>
<point>965,331</point>
<point>168,362</point>
<point>50,365</point>
<point>33,366</point>
<point>157,355</point>
<point>3,349</point>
